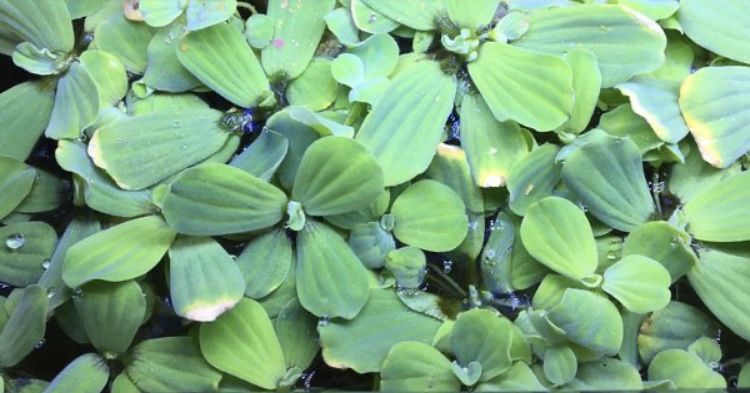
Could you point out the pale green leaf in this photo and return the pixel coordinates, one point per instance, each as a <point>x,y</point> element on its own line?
<point>639,283</point>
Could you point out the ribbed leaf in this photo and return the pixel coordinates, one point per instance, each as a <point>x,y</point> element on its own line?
<point>606,30</point>
<point>204,13</point>
<point>171,364</point>
<point>242,343</point>
<point>25,251</point>
<point>45,23</point>
<point>296,329</point>
<point>143,150</point>
<point>509,79</point>
<point>623,122</point>
<point>363,343</point>
<point>718,280</point>
<point>429,215</point>
<point>404,127</point>
<point>663,243</point>
<point>298,28</point>
<point>491,147</point>
<point>315,88</point>
<point>482,336</point>
<point>560,364</point>
<point>125,39</point>
<point>719,26</point>
<point>76,104</point>
<point>159,13</point>
<point>685,370</point>
<point>264,155</point>
<point>238,77</point>
<point>600,329</point>
<point>85,374</point>
<point>676,326</point>
<point>99,191</point>
<point>120,253</point>
<point>27,107</point>
<point>111,313</point>
<point>368,20</point>
<point>16,181</point>
<point>533,178</point>
<point>336,175</point>
<point>450,167</point>
<point>108,74</point>
<point>605,374</point>
<point>639,283</point>
<point>331,281</point>
<point>164,70</point>
<point>417,14</point>
<point>25,327</point>
<point>720,213</point>
<point>371,243</point>
<point>265,262</point>
<point>714,102</point>
<point>557,234</point>
<point>217,199</point>
<point>415,366</point>
<point>204,280</point>
<point>48,193</point>
<point>587,81</point>
<point>479,14</point>
<point>606,174</point>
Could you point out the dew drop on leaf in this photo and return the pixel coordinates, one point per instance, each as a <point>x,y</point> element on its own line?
<point>15,241</point>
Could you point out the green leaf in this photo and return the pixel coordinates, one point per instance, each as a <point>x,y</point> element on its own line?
<point>600,329</point>
<point>371,243</point>
<point>48,193</point>
<point>708,349</point>
<point>690,178</point>
<point>315,88</point>
<point>417,14</point>
<point>16,182</point>
<point>242,343</point>
<point>38,61</point>
<point>663,243</point>
<point>676,326</point>
<point>259,30</point>
<point>265,262</point>
<point>606,30</point>
<point>518,377</point>
<point>108,74</point>
<point>164,71</point>
<point>654,9</point>
<point>479,14</point>
<point>264,156</point>
<point>685,370</point>
<point>606,374</point>
<point>623,122</point>
<point>714,106</point>
<point>416,366</point>
<point>467,375</point>
<point>25,251</point>
<point>120,253</point>
<point>718,26</point>
<point>718,213</point>
<point>87,373</point>
<point>639,283</point>
<point>204,280</point>
<point>429,215</point>
<point>533,178</point>
<point>159,13</point>
<point>44,23</point>
<point>587,82</point>
<point>404,128</point>
<point>336,175</point>
<point>560,364</point>
<point>323,257</point>
<point>451,168</point>
<point>492,147</point>
<point>557,234</point>
<point>204,13</point>
<point>340,23</point>
<point>296,329</point>
<point>76,104</point>
<point>216,199</point>
<point>110,313</point>
<point>508,79</point>
<point>298,28</point>
<point>408,265</point>
<point>27,105</point>
<point>369,20</point>
<point>496,262</point>
<point>482,336</point>
<point>142,150</point>
<point>607,175</point>
<point>125,39</point>
<point>363,343</point>
<point>718,281</point>
<point>99,191</point>
<point>238,77</point>
<point>171,364</point>
<point>82,8</point>
<point>25,328</point>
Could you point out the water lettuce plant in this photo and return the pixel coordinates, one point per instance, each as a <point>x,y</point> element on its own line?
<point>393,195</point>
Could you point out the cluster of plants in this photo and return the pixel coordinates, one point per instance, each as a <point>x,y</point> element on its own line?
<point>403,195</point>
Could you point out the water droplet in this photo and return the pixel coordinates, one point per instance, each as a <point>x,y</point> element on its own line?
<point>658,187</point>
<point>15,241</point>
<point>324,321</point>
<point>109,355</point>
<point>373,18</point>
<point>45,264</point>
<point>674,242</point>
<point>40,344</point>
<point>447,266</point>
<point>611,256</point>
<point>490,254</point>
<point>184,147</point>
<point>177,123</point>
<point>51,291</point>
<point>528,189</point>
<point>77,293</point>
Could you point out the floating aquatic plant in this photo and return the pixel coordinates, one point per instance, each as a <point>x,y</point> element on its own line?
<point>437,195</point>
